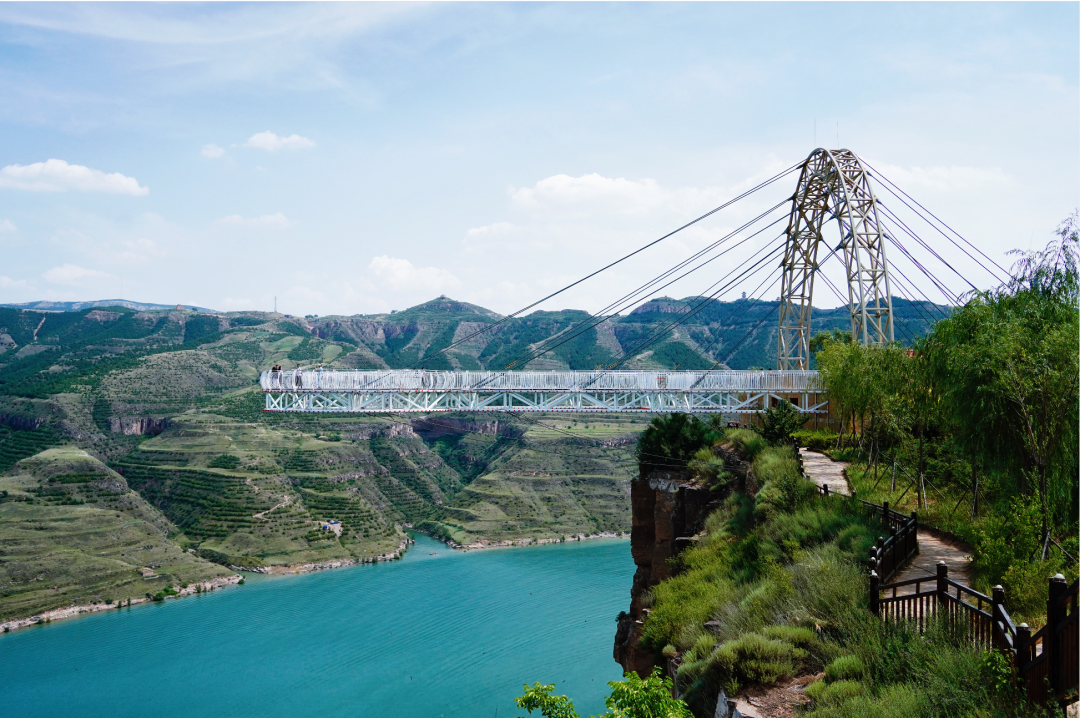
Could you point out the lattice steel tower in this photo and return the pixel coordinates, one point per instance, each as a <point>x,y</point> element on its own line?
<point>834,185</point>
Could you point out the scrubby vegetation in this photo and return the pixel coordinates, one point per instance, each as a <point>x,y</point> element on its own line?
<point>976,427</point>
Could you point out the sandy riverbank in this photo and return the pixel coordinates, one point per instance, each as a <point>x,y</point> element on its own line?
<point>58,614</point>
<point>309,567</point>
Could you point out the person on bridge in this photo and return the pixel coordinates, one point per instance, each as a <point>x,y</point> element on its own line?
<point>275,376</point>
<point>298,378</point>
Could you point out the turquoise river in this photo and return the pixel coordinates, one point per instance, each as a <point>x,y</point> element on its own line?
<point>450,635</point>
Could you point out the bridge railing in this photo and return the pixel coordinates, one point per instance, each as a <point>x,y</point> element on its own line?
<point>543,381</point>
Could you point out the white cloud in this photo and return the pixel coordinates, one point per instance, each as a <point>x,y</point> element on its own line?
<point>947,179</point>
<point>73,274</point>
<point>265,221</point>
<point>272,143</point>
<point>6,282</point>
<point>212,151</point>
<point>401,275</point>
<point>6,225</point>
<point>58,176</point>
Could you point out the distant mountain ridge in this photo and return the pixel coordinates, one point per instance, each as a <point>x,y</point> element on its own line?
<point>50,306</point>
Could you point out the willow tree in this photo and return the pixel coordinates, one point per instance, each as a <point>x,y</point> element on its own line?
<point>1006,368</point>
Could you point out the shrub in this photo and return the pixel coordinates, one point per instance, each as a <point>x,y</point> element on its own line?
<point>779,422</point>
<point>816,439</point>
<point>795,635</point>
<point>669,651</point>
<point>845,668</point>
<point>753,658</point>
<point>747,442</point>
<point>673,438</point>
<point>708,467</point>
<point>225,461</point>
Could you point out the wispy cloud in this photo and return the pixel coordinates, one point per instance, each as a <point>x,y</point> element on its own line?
<point>400,275</point>
<point>265,221</point>
<point>272,143</point>
<point>73,274</point>
<point>58,176</point>
<point>6,225</point>
<point>6,282</point>
<point>212,151</point>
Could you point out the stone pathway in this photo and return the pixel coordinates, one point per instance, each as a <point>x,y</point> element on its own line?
<point>821,469</point>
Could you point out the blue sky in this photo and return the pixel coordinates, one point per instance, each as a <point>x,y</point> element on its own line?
<point>356,158</point>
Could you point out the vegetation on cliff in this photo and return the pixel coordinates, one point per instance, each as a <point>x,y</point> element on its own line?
<point>775,587</point>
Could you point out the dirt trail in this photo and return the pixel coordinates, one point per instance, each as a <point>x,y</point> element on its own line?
<point>262,514</point>
<point>823,470</point>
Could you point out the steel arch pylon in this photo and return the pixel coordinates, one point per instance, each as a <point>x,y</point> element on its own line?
<point>834,184</point>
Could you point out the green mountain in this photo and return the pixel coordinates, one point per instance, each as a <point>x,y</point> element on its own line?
<point>166,402</point>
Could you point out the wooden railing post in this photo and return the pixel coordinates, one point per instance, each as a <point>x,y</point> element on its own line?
<point>825,490</point>
<point>1023,654</point>
<point>997,620</point>
<point>942,585</point>
<point>885,512</point>
<point>874,606</point>
<point>914,536</point>
<point>1055,614</point>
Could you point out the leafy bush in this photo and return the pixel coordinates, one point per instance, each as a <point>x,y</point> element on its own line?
<point>672,439</point>
<point>779,422</point>
<point>632,697</point>
<point>225,461</point>
<point>816,439</point>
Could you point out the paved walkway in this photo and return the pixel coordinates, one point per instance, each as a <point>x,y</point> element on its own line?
<point>822,470</point>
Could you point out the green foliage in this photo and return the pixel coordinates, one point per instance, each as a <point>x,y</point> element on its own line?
<point>785,489</point>
<point>816,439</point>
<point>635,697</point>
<point>748,442</point>
<point>632,697</point>
<point>672,440</point>
<point>225,461</point>
<point>707,467</point>
<point>539,698</point>
<point>780,421</point>
<point>753,658</point>
<point>845,668</point>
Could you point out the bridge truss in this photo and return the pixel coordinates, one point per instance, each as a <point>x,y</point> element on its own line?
<point>581,392</point>
<point>834,185</point>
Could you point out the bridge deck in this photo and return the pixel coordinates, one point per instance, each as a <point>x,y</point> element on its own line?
<point>402,391</point>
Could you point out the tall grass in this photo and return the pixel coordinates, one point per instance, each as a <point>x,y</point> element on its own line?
<point>787,589</point>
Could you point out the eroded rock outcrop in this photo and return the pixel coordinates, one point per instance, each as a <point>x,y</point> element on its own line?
<point>137,425</point>
<point>666,506</point>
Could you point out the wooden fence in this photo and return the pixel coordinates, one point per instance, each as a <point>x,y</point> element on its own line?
<point>1046,664</point>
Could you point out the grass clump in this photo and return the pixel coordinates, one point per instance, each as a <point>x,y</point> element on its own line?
<point>747,441</point>
<point>844,668</point>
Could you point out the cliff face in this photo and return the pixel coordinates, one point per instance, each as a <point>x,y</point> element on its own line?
<point>668,508</point>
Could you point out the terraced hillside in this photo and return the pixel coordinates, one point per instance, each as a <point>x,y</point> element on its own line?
<point>73,532</point>
<point>168,399</point>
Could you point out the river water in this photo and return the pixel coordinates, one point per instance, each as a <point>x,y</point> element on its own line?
<point>452,635</point>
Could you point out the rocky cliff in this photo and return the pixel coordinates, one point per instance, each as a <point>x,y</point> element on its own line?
<point>668,508</point>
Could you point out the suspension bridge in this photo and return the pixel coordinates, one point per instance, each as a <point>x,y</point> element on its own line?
<point>832,185</point>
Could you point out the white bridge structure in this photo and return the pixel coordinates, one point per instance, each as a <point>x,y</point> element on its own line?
<point>403,391</point>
